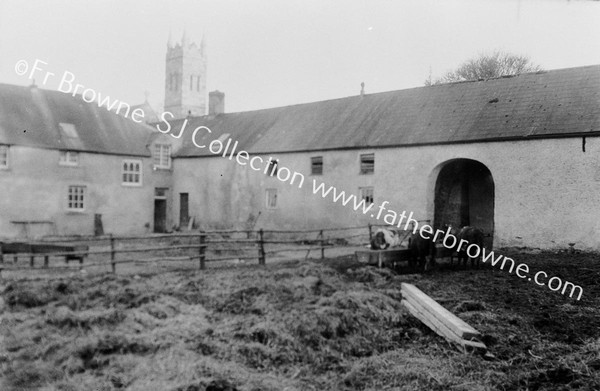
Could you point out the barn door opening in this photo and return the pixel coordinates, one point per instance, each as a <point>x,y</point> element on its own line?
<point>464,195</point>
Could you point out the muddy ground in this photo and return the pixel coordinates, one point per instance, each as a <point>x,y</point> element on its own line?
<point>305,325</point>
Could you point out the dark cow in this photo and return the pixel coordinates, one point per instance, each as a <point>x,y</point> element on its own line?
<point>385,238</point>
<point>422,252</point>
<point>470,235</point>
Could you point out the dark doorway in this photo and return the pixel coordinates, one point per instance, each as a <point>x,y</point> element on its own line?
<point>98,227</point>
<point>160,215</point>
<point>184,210</point>
<point>464,195</point>
<point>160,209</point>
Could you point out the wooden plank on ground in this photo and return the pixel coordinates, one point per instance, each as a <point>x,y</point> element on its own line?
<point>431,309</point>
<point>431,322</point>
<point>442,330</point>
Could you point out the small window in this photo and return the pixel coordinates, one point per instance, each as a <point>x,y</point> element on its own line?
<point>272,171</point>
<point>316,165</point>
<point>162,156</point>
<point>132,172</point>
<point>367,163</point>
<point>191,83</point>
<point>68,158</point>
<point>76,198</point>
<point>271,198</point>
<point>366,194</point>
<point>3,156</point>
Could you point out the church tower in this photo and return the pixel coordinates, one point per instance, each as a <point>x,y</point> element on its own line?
<point>185,78</point>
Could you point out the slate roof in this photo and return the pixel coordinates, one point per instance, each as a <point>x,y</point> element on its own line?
<point>31,116</point>
<point>557,103</point>
<point>149,113</point>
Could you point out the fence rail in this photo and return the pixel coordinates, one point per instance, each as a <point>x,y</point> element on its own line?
<point>200,246</point>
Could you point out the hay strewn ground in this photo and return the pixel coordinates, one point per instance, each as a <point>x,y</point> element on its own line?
<point>307,325</point>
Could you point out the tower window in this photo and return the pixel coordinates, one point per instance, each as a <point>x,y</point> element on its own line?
<point>198,83</point>
<point>191,83</point>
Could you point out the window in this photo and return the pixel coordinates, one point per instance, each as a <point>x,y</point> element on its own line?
<point>198,83</point>
<point>76,197</point>
<point>3,156</point>
<point>132,172</point>
<point>271,198</point>
<point>68,130</point>
<point>366,194</point>
<point>162,156</point>
<point>191,83</point>
<point>68,158</point>
<point>316,165</point>
<point>272,171</point>
<point>367,163</point>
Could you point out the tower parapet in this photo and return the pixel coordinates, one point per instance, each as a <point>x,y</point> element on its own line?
<point>185,78</point>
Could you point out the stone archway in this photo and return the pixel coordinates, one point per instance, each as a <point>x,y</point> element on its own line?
<point>464,195</point>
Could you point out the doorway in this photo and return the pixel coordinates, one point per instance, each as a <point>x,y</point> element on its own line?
<point>464,195</point>
<point>160,210</point>
<point>184,210</point>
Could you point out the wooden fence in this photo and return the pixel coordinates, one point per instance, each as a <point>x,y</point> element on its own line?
<point>201,247</point>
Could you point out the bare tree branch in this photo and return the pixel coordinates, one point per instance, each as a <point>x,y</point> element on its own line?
<point>488,66</point>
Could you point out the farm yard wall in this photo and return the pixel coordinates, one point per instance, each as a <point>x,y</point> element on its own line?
<point>35,188</point>
<point>546,190</point>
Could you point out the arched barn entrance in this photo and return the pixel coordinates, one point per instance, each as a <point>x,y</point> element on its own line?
<point>464,195</point>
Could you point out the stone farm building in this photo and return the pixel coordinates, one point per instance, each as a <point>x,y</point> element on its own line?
<point>70,167</point>
<point>517,156</point>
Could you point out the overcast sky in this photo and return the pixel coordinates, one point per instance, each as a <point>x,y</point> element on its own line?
<point>273,53</point>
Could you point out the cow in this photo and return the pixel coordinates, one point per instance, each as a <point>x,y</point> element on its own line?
<point>385,238</point>
<point>471,235</point>
<point>422,252</point>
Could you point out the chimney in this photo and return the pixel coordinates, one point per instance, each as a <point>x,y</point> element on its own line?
<point>216,103</point>
<point>362,89</point>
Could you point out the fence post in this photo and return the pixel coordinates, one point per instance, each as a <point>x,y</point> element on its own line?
<point>1,254</point>
<point>202,251</point>
<point>113,265</point>
<point>261,248</point>
<point>46,261</point>
<point>370,233</point>
<point>322,242</point>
